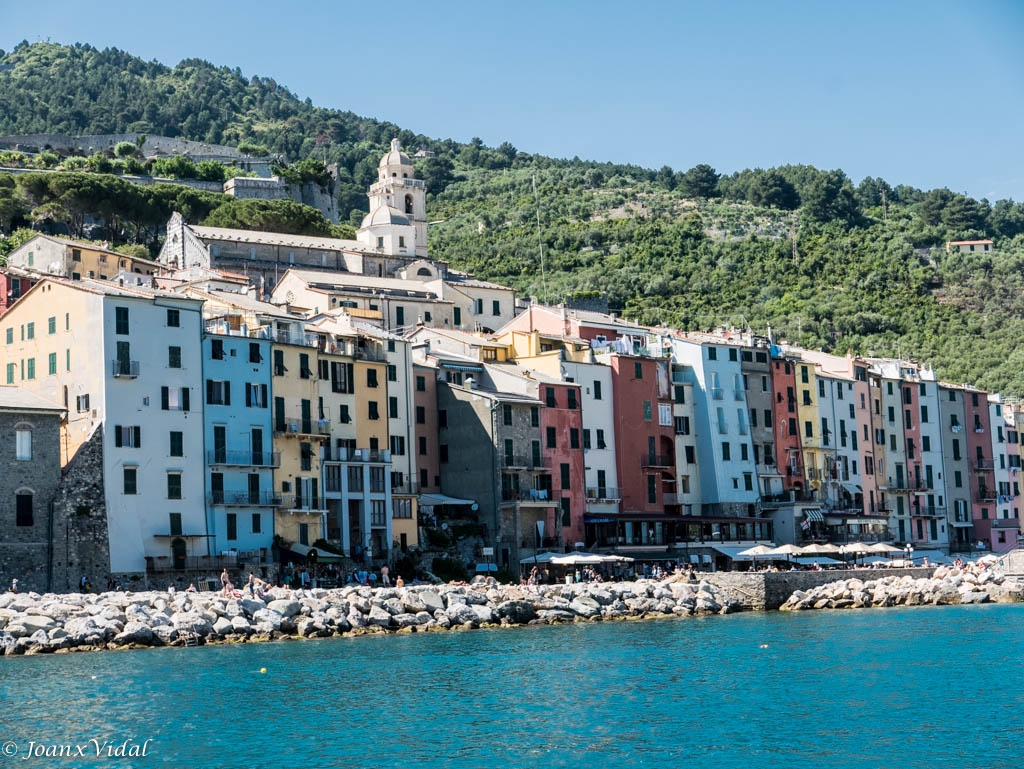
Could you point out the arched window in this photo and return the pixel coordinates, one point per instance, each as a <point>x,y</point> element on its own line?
<point>408,204</point>
<point>425,272</point>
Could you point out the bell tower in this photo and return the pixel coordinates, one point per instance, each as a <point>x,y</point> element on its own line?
<point>397,189</point>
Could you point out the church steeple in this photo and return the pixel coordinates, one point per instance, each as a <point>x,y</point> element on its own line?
<point>397,200</point>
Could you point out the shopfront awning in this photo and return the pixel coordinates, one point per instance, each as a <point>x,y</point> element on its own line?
<point>436,500</point>
<point>853,488</point>
<point>734,552</point>
<point>814,514</point>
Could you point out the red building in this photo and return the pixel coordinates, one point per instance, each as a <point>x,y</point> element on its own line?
<point>13,285</point>
<point>787,429</point>
<point>644,448</point>
<point>982,463</point>
<point>561,424</point>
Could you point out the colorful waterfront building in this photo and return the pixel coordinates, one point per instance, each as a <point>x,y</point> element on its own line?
<point>1006,523</point>
<point>125,362</point>
<point>978,430</point>
<point>61,257</point>
<point>957,468</point>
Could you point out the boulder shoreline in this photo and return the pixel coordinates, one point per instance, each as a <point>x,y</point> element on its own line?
<point>947,586</point>
<point>31,623</point>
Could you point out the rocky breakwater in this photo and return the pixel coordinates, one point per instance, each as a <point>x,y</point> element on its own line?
<point>948,585</point>
<point>33,624</point>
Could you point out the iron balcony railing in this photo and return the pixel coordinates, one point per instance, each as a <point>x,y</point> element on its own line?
<point>603,492</point>
<point>244,458</point>
<point>984,464</point>
<point>301,503</point>
<point>530,463</point>
<point>128,369</point>
<point>656,460</point>
<point>244,498</point>
<point>299,426</point>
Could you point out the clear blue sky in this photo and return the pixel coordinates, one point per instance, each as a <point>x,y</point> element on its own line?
<point>922,92</point>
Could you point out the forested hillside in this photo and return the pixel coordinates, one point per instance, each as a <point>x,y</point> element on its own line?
<point>826,261</point>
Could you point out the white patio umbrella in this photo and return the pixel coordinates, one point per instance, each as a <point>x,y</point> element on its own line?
<point>883,547</point>
<point>786,550</point>
<point>819,549</point>
<point>757,550</point>
<point>856,547</point>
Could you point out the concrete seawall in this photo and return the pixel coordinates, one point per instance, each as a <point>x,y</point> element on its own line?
<point>769,590</point>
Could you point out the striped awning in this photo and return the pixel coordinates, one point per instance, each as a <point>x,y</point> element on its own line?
<point>814,514</point>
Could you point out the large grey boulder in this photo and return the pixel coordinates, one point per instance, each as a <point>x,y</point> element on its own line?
<point>517,612</point>
<point>585,606</point>
<point>285,607</point>
<point>379,617</point>
<point>135,633</point>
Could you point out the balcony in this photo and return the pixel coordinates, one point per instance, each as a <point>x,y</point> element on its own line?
<point>244,498</point>
<point>124,369</point>
<point>537,497</point>
<point>716,393</point>
<point>607,493</point>
<point>738,395</point>
<point>982,464</point>
<point>244,458</point>
<point>202,563</point>
<point>335,454</point>
<point>656,460</point>
<point>768,469</point>
<point>296,337</point>
<point>985,495</point>
<point>929,512</point>
<point>297,504</point>
<point>300,426</point>
<point>537,464</point>
<point>405,489</point>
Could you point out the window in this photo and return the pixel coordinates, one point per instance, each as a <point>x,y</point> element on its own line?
<point>597,390</point>
<point>563,471</point>
<point>744,452</point>
<point>495,307</point>
<point>550,400</point>
<point>232,527</point>
<point>30,331</point>
<point>574,438</point>
<point>306,373</point>
<point>174,398</point>
<point>726,452</point>
<point>218,393</point>
<point>600,440</point>
<point>652,489</point>
<point>23,444</point>
<point>392,373</point>
<point>552,438</point>
<point>174,318</point>
<point>748,482</point>
<point>127,436</point>
<point>712,353</point>
<point>254,353</point>
<point>130,475</point>
<point>10,372</point>
<point>279,369</point>
<point>457,316</point>
<point>534,416</point>
<point>373,412</point>
<point>31,368</point>
<point>664,415</point>
<point>256,395</point>
<point>176,444</point>
<point>51,325</point>
<point>10,335</point>
<point>691,455</point>
<point>23,509</point>
<point>638,370</point>
<point>121,320</point>
<point>305,456</point>
<point>442,417</point>
<point>399,315</point>
<point>52,361</point>
<point>506,415</point>
<point>174,485</point>
<point>421,384</point>
<point>442,453</point>
<point>679,393</point>
<point>174,524</point>
<point>343,414</point>
<point>82,403</point>
<point>808,430</point>
<point>422,441</point>
<point>217,349</point>
<point>586,439</point>
<point>392,407</point>
<point>371,377</point>
<point>926,443</point>
<point>647,411</point>
<point>421,415</point>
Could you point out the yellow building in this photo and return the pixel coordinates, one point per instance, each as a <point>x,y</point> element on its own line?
<point>72,259</point>
<point>300,429</point>
<point>809,420</point>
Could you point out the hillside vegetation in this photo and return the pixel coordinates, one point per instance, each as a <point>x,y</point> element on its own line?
<point>825,261</point>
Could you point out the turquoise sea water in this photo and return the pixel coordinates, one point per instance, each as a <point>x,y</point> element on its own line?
<point>924,687</point>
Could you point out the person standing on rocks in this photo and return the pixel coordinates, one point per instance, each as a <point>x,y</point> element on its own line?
<point>385,579</point>
<point>225,583</point>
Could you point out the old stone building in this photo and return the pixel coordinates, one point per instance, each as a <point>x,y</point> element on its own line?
<point>30,474</point>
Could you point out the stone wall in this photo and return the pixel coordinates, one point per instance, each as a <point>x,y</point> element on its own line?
<point>769,590</point>
<point>81,544</point>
